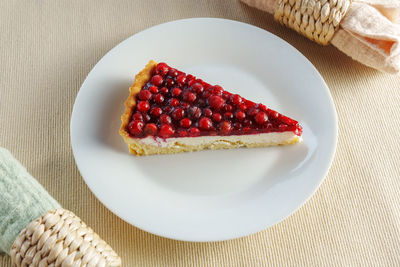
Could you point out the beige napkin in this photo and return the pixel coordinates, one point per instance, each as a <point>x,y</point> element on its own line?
<point>369,33</point>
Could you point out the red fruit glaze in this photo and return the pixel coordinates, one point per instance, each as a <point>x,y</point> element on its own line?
<point>150,129</point>
<point>143,106</point>
<point>157,80</point>
<point>185,123</point>
<point>173,104</point>
<point>166,131</point>
<point>135,127</point>
<point>205,123</point>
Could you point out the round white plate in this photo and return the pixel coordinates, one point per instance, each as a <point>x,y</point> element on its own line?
<point>207,195</point>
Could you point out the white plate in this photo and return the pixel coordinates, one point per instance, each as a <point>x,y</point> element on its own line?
<point>208,195</point>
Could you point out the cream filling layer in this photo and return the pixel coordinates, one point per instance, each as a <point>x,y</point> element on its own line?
<point>264,138</point>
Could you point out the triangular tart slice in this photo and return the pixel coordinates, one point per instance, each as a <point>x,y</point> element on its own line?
<point>169,111</point>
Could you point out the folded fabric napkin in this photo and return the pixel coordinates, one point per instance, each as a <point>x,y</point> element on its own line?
<point>36,231</point>
<point>368,30</point>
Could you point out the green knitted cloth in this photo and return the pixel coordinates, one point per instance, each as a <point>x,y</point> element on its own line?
<point>22,199</point>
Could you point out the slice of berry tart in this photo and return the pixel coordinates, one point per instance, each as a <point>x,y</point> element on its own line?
<point>168,111</point>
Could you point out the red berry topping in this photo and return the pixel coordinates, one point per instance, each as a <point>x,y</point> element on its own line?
<point>225,127</point>
<point>216,117</point>
<point>185,123</point>
<point>189,96</point>
<point>205,123</point>
<point>236,99</point>
<point>144,95</point>
<point>227,108</point>
<point>216,102</point>
<point>159,98</point>
<point>164,90</point>
<point>150,129</point>
<point>183,133</point>
<point>193,131</point>
<point>207,112</point>
<point>174,102</point>
<point>176,91</point>
<point>181,79</point>
<point>156,112</point>
<point>243,107</point>
<point>173,73</point>
<point>178,113</point>
<point>135,127</point>
<point>143,106</point>
<point>240,115</point>
<point>137,117</point>
<point>261,117</point>
<point>157,80</point>
<point>162,69</point>
<point>165,119</point>
<point>153,89</point>
<point>194,112</point>
<point>166,131</point>
<point>198,88</point>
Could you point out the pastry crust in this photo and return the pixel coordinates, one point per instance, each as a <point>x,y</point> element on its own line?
<point>140,80</point>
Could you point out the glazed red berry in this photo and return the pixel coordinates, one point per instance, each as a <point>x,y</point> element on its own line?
<point>205,123</point>
<point>164,90</point>
<point>137,117</point>
<point>227,108</point>
<point>143,106</point>
<point>261,117</point>
<point>144,95</point>
<point>236,99</point>
<point>288,121</point>
<point>178,113</point>
<point>170,83</point>
<point>153,89</point>
<point>282,127</point>
<point>216,117</point>
<point>146,117</point>
<point>191,82</point>
<point>167,109</point>
<point>185,105</point>
<point>237,126</point>
<point>198,87</point>
<point>173,72</point>
<point>228,115</point>
<point>166,131</point>
<point>216,102</point>
<point>135,127</point>
<point>217,90</point>
<point>207,112</point>
<point>162,69</point>
<point>243,107</point>
<point>156,111</point>
<point>273,114</point>
<point>157,80</point>
<point>181,79</point>
<point>193,131</point>
<point>185,123</point>
<point>240,115</point>
<point>194,112</point>
<point>226,95</point>
<point>165,119</point>
<point>247,122</point>
<point>262,107</point>
<point>176,92</point>
<point>174,102</point>
<point>189,96</point>
<point>206,94</point>
<point>158,98</point>
<point>252,112</point>
<point>225,127</point>
<point>150,129</point>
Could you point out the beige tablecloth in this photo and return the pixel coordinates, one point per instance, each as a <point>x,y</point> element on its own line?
<point>48,47</point>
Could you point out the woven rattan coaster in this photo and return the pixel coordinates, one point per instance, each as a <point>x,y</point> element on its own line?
<point>60,238</point>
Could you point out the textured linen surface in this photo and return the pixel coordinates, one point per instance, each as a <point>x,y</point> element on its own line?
<point>48,47</point>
